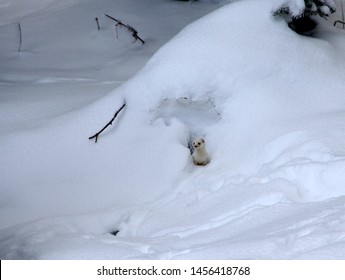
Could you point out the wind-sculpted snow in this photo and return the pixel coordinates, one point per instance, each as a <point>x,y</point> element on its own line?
<point>270,105</point>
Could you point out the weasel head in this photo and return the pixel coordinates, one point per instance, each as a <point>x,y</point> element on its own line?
<point>198,143</point>
<point>200,156</point>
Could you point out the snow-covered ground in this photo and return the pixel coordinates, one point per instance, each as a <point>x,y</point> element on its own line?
<point>269,103</point>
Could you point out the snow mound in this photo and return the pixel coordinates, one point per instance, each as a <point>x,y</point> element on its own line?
<point>271,105</point>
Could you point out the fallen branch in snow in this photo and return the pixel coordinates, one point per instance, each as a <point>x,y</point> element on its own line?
<point>128,27</point>
<point>109,123</point>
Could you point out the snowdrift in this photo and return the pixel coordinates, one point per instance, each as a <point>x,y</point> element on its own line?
<point>271,107</point>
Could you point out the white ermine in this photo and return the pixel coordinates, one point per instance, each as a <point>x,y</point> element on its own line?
<point>200,156</point>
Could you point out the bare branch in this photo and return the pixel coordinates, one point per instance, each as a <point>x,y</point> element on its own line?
<point>109,123</point>
<point>128,27</point>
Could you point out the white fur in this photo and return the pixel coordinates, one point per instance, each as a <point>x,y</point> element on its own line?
<point>200,156</point>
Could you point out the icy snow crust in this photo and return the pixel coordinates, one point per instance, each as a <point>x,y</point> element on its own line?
<point>271,107</point>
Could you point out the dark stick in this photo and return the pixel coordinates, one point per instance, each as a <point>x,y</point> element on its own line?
<point>20,37</point>
<point>109,123</point>
<point>97,23</point>
<point>136,37</point>
<point>129,28</point>
<point>112,18</point>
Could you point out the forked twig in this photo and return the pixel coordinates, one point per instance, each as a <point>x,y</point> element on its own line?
<point>109,123</point>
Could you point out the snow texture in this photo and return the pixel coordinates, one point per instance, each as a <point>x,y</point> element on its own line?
<point>269,103</point>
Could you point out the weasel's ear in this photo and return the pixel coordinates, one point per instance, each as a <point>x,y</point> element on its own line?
<point>202,140</point>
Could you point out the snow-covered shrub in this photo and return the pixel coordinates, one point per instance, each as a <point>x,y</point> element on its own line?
<point>298,13</point>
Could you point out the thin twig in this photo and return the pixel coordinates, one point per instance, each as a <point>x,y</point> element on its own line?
<point>20,37</point>
<point>128,27</point>
<point>109,123</point>
<point>112,18</point>
<point>97,23</point>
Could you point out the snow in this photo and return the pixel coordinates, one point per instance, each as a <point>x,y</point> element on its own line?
<point>269,103</point>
